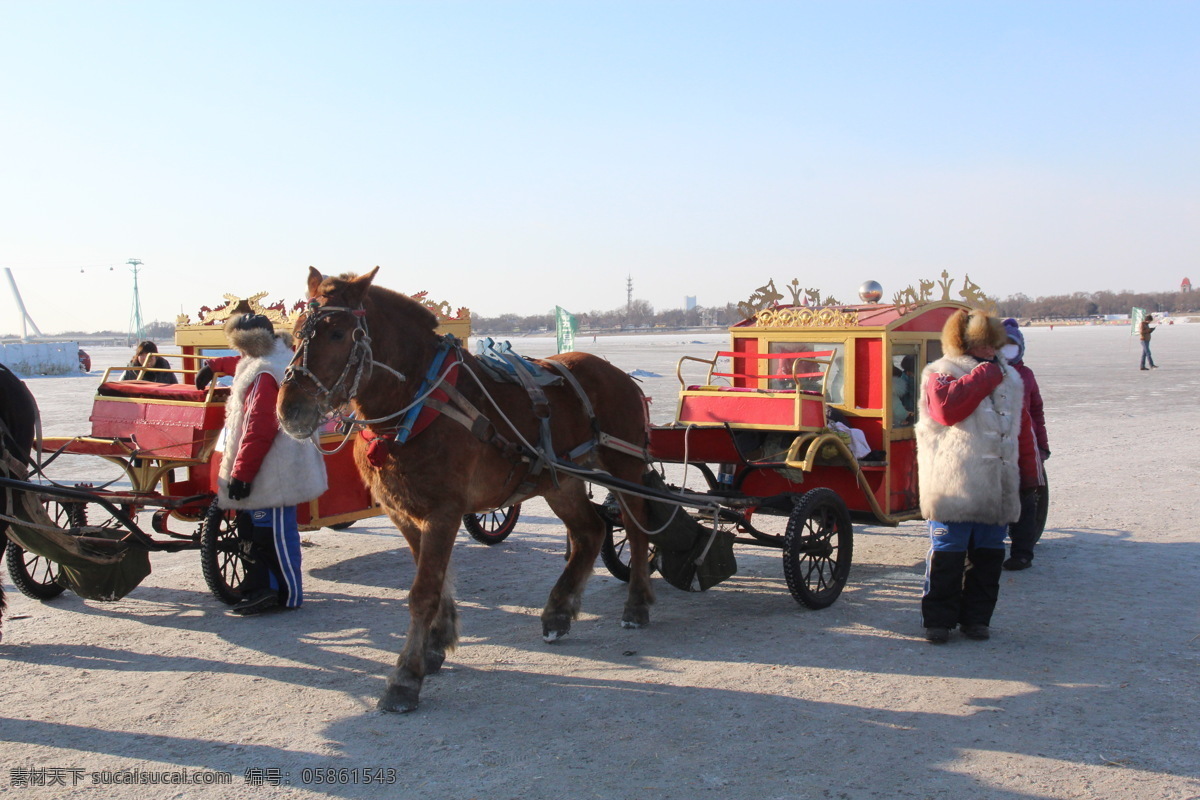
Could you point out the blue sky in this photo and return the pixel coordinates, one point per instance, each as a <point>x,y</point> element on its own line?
<point>510,157</point>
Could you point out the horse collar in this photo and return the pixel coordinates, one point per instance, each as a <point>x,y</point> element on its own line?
<point>418,416</point>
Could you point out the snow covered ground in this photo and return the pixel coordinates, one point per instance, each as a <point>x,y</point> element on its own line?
<point>1087,689</point>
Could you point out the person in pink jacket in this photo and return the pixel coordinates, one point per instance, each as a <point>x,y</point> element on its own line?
<point>1024,534</point>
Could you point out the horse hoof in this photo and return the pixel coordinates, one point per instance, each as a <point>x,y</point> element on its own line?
<point>433,661</point>
<point>399,700</point>
<point>636,617</point>
<point>556,627</point>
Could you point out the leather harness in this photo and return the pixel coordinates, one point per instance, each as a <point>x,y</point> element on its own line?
<point>440,395</point>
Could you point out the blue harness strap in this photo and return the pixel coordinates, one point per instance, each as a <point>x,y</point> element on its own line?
<point>435,369</point>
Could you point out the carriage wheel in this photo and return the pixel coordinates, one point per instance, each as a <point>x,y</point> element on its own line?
<point>492,527</point>
<point>33,574</point>
<point>615,550</point>
<point>817,548</point>
<point>222,558</point>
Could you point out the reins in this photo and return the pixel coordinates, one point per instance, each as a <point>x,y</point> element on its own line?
<point>540,456</point>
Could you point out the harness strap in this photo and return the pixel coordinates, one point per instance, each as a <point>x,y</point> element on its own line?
<point>602,438</point>
<point>544,454</point>
<point>405,428</point>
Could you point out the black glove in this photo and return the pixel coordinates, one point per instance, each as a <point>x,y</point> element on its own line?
<point>239,489</point>
<point>204,376</point>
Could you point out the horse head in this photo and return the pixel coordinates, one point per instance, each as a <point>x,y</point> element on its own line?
<point>332,352</point>
<point>336,354</point>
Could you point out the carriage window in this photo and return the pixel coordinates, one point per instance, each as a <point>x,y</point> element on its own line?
<point>800,366</point>
<point>905,374</point>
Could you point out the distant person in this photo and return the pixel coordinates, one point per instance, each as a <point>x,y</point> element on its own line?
<point>1145,332</point>
<point>903,396</point>
<point>145,358</point>
<point>968,431</point>
<point>264,472</point>
<point>1025,532</point>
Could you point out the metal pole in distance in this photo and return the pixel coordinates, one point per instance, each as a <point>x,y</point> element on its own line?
<point>137,331</point>
<point>26,320</point>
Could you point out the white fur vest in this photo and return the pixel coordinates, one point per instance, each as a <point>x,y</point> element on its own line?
<point>293,471</point>
<point>968,472</point>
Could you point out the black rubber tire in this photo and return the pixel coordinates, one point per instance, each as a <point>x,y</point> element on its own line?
<point>492,527</point>
<point>818,548</point>
<point>33,575</point>
<point>1043,509</point>
<point>614,552</point>
<point>221,556</point>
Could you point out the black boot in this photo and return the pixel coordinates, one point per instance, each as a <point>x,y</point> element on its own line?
<point>257,573</point>
<point>942,602</point>
<point>1024,533</point>
<point>981,587</point>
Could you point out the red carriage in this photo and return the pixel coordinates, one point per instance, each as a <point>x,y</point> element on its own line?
<point>165,439</point>
<point>807,415</point>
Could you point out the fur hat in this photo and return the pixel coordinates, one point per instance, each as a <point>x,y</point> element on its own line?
<point>256,339</point>
<point>965,331</point>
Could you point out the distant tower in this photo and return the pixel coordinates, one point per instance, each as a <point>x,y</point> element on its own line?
<point>137,331</point>
<point>629,294</point>
<point>1186,286</point>
<point>689,302</point>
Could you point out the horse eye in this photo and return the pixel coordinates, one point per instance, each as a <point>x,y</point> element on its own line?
<point>337,335</point>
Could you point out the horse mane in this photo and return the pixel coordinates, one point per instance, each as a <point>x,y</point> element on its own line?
<point>418,313</point>
<point>384,298</point>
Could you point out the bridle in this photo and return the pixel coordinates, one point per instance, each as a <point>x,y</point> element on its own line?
<point>358,363</point>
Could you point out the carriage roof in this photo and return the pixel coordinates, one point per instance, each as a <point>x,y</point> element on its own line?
<point>208,331</point>
<point>783,322</point>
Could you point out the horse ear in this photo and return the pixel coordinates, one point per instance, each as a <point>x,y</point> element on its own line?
<point>314,280</point>
<point>356,289</point>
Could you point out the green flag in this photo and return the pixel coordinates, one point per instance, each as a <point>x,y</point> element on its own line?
<point>565,328</point>
<point>1137,315</point>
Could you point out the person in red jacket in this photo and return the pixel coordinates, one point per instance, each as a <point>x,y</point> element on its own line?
<point>264,473</point>
<point>1025,532</point>
<point>969,432</point>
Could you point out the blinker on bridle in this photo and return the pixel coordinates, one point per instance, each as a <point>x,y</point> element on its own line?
<point>359,360</point>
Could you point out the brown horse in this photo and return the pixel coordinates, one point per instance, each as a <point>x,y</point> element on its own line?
<point>18,418</point>
<point>489,444</point>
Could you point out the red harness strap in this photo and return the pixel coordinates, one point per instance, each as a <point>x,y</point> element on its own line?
<point>377,451</point>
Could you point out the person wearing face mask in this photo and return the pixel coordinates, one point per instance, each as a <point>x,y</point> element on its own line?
<point>1025,532</point>
<point>968,446</point>
<point>264,472</point>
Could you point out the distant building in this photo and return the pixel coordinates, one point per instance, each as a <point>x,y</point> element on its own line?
<point>690,302</point>
<point>1186,286</point>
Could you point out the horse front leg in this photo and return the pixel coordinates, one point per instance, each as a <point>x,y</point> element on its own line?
<point>433,621</point>
<point>641,591</point>
<point>585,531</point>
